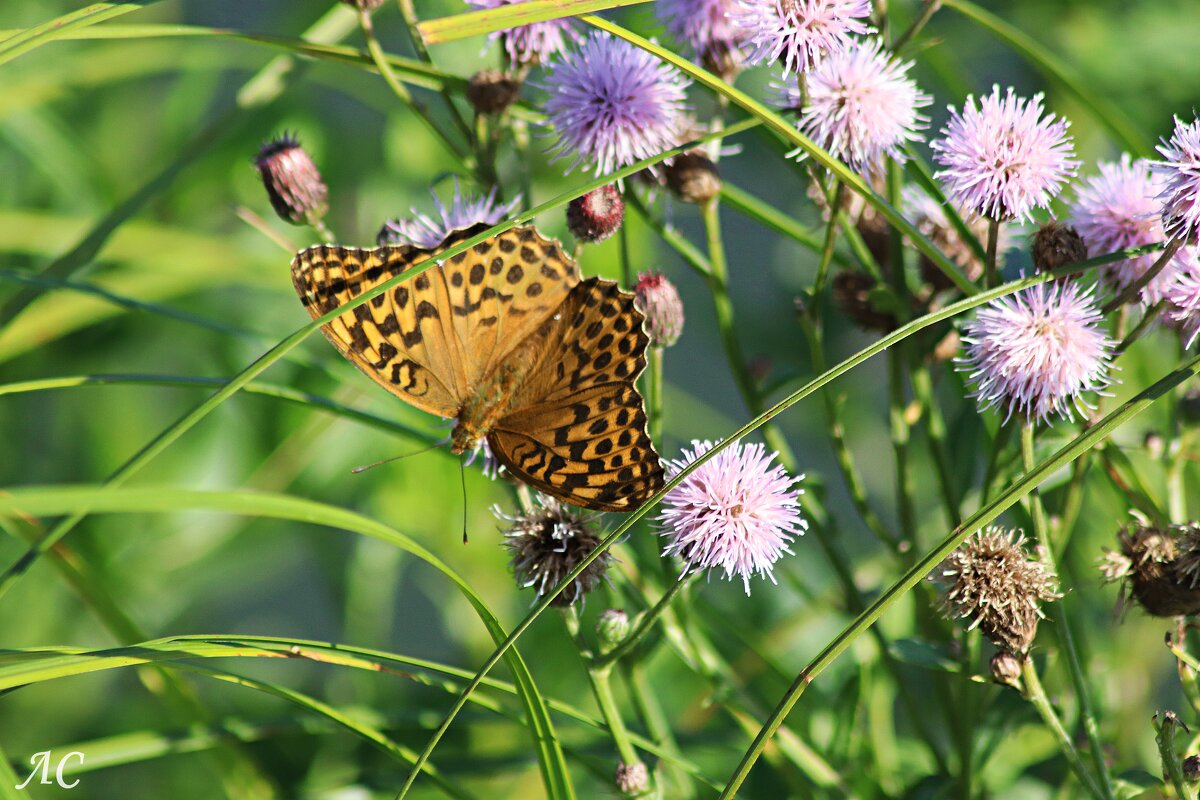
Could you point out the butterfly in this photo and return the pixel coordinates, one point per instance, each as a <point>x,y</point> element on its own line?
<point>506,339</point>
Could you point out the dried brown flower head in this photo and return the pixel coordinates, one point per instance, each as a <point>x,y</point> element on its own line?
<point>693,177</point>
<point>852,292</point>
<point>1056,245</point>
<point>993,583</point>
<point>548,542</point>
<point>1159,567</point>
<point>491,91</point>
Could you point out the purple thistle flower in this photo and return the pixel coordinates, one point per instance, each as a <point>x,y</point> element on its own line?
<point>1183,302</point>
<point>705,26</point>
<point>1002,159</point>
<point>736,512</point>
<point>532,44</point>
<point>1115,210</point>
<point>799,32</point>
<point>1037,350</point>
<point>862,106</point>
<point>427,232</point>
<point>1180,171</point>
<point>613,104</point>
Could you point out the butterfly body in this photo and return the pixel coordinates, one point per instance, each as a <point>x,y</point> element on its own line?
<point>506,339</point>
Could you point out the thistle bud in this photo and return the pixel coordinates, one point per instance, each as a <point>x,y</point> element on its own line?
<point>490,91</point>
<point>693,177</point>
<point>998,588</point>
<point>632,779</point>
<point>596,215</point>
<point>364,5</point>
<point>1006,668</point>
<point>548,542</point>
<point>612,627</point>
<point>1191,769</point>
<point>1056,246</point>
<point>657,299</point>
<point>292,181</point>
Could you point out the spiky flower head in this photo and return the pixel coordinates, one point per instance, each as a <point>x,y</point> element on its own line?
<point>657,299</point>
<point>293,182</point>
<point>992,581</point>
<point>597,215</point>
<point>1001,158</point>
<point>799,33</point>
<point>706,28</point>
<point>533,44</point>
<point>862,106</point>
<point>1159,567</point>
<point>1180,173</point>
<point>931,219</point>
<point>1037,351</point>
<point>612,104</point>
<point>429,231</point>
<point>1114,210</point>
<point>549,541</point>
<point>1182,298</point>
<point>736,512</point>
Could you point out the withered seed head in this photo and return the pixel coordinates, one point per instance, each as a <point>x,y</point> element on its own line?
<point>491,91</point>
<point>1056,245</point>
<point>693,177</point>
<point>547,543</point>
<point>1157,567</point>
<point>852,294</point>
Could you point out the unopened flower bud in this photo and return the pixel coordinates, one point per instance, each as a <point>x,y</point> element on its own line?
<point>612,627</point>
<point>632,779</point>
<point>657,299</point>
<point>491,91</point>
<point>1056,246</point>
<point>292,181</point>
<point>1191,769</point>
<point>596,215</point>
<point>693,177</point>
<point>1006,668</point>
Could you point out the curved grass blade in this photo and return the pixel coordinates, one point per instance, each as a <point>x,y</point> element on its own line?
<point>23,41</point>
<point>474,23</point>
<point>283,507</point>
<point>1061,73</point>
<point>989,513</point>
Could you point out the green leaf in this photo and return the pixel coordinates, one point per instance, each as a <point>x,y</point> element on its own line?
<point>22,42</point>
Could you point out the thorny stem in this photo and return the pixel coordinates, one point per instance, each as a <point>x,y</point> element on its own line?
<point>1063,627</point>
<point>1131,292</point>
<point>1036,694</point>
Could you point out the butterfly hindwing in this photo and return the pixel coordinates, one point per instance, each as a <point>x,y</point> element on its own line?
<point>577,427</point>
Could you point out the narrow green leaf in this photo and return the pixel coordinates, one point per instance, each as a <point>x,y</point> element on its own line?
<point>512,15</point>
<point>22,42</point>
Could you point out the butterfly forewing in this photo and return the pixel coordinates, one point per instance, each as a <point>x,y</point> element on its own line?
<point>577,428</point>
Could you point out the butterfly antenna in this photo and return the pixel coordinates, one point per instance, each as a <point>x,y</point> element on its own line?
<point>357,470</point>
<point>462,477</point>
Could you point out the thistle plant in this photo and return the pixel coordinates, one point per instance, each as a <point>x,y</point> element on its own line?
<point>701,579</point>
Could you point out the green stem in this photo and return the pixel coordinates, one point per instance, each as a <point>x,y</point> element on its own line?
<point>322,230</point>
<point>835,205</point>
<point>922,385</point>
<point>1165,739</point>
<point>654,391</point>
<point>602,688</point>
<point>1143,325</point>
<point>409,12</point>
<point>650,711</point>
<point>990,275</point>
<point>1063,627</point>
<point>1036,694</point>
<point>626,260</point>
<point>928,9</point>
<point>401,91</point>
<point>645,621</point>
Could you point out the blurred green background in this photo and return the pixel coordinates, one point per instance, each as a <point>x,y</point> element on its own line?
<point>87,125</point>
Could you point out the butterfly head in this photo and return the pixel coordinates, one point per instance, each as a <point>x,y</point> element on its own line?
<point>465,437</point>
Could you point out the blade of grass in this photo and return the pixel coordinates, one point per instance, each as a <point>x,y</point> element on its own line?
<point>23,41</point>
<point>512,15</point>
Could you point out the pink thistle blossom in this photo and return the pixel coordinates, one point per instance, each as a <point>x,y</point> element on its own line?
<point>613,104</point>
<point>862,106</point>
<point>1002,159</point>
<point>800,33</point>
<point>1116,210</point>
<point>736,512</point>
<point>427,232</point>
<point>1183,302</point>
<point>1036,351</point>
<point>531,44</point>
<point>1180,171</point>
